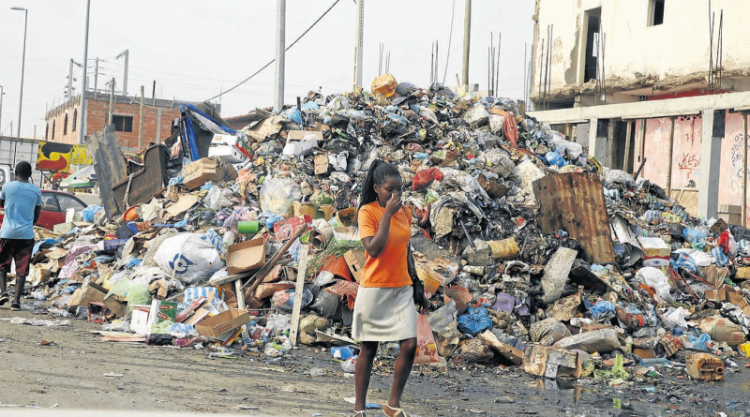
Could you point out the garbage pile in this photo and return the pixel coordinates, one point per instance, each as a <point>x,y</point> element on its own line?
<point>532,253</point>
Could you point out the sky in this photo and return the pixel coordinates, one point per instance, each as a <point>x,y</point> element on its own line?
<point>196,49</point>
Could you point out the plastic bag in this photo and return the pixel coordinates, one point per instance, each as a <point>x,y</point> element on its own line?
<point>426,347</point>
<point>188,257</point>
<point>278,194</point>
<point>384,84</point>
<point>424,178</point>
<point>89,213</point>
<point>653,277</point>
<point>555,158</point>
<point>602,309</point>
<point>475,321</point>
<point>218,198</point>
<point>285,299</point>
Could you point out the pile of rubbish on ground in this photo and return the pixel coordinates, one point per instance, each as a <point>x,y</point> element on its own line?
<point>533,254</point>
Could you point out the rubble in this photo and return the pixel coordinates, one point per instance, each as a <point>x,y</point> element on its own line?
<point>533,254</point>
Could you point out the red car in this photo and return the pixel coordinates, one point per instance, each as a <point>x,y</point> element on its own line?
<point>54,206</point>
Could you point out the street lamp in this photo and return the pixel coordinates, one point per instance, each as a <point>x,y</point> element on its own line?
<point>23,63</point>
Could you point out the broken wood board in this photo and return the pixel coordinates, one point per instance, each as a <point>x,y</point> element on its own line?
<point>182,205</point>
<point>575,202</point>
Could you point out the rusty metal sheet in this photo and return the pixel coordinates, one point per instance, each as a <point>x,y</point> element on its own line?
<point>109,164</point>
<point>575,202</point>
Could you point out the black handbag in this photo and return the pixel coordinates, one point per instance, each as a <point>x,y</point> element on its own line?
<point>419,298</point>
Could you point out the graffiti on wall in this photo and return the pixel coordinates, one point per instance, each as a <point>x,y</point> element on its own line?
<point>557,56</point>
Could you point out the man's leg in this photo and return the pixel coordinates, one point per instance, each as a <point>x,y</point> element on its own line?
<point>5,260</point>
<point>23,260</point>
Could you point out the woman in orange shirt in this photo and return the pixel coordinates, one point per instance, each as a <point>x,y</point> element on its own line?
<point>384,310</point>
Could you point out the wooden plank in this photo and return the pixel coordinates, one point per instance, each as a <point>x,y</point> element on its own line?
<point>575,202</point>
<point>241,305</point>
<point>299,287</point>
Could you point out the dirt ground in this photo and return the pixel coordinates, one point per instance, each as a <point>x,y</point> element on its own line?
<point>81,372</point>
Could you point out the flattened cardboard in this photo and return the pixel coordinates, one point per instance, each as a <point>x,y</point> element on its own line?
<point>222,323</point>
<point>246,256</point>
<point>89,293</point>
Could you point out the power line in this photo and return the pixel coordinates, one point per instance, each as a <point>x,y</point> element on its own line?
<point>274,60</point>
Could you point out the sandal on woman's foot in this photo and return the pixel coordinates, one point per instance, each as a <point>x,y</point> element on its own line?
<point>15,307</point>
<point>393,411</point>
<point>360,413</point>
<point>4,298</point>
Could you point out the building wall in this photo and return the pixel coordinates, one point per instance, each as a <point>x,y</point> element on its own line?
<point>157,122</point>
<point>639,57</point>
<point>686,157</point>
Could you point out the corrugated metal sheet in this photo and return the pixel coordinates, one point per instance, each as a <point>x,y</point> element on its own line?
<point>574,202</point>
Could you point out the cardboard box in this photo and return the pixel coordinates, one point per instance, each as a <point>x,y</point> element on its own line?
<point>356,261</point>
<point>223,323</point>
<point>89,293</point>
<point>202,171</point>
<point>246,256</point>
<point>321,161</point>
<point>139,322</point>
<point>226,153</point>
<point>655,251</point>
<point>116,305</point>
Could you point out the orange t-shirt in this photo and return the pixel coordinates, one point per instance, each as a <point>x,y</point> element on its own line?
<point>389,269</point>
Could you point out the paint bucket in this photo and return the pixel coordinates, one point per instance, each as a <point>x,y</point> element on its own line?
<point>248,227</point>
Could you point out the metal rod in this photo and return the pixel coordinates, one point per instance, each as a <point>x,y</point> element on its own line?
<point>744,169</point>
<point>450,41</point>
<point>140,122</point>
<point>280,55</point>
<point>669,160</point>
<point>466,232</point>
<point>467,41</point>
<point>541,71</point>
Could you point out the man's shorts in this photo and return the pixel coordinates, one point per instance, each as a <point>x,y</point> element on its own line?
<point>19,250</point>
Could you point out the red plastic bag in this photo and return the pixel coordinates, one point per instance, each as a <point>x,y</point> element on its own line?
<point>424,178</point>
<point>426,347</point>
<point>510,129</point>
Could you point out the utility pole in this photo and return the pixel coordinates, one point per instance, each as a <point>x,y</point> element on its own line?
<point>2,93</point>
<point>359,44</point>
<point>467,42</point>
<point>280,54</point>
<point>23,65</point>
<point>96,77</point>
<point>70,80</point>
<point>140,121</point>
<point>126,54</point>
<point>111,101</point>
<point>84,78</point>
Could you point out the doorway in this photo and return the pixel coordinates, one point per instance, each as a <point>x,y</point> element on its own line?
<point>591,59</point>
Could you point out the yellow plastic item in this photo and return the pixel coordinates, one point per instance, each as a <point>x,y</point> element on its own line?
<point>384,85</point>
<point>745,349</point>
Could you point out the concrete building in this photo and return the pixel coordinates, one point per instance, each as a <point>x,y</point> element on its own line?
<point>637,80</point>
<point>62,122</point>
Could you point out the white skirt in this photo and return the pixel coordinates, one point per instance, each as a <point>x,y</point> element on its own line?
<point>384,314</point>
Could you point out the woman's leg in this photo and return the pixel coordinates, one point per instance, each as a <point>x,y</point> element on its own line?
<point>362,371</point>
<point>401,370</point>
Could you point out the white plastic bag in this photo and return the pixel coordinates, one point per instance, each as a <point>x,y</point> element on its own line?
<point>653,277</point>
<point>188,257</point>
<point>278,194</point>
<point>218,198</point>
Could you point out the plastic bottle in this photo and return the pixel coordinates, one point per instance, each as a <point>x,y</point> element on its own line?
<point>655,362</point>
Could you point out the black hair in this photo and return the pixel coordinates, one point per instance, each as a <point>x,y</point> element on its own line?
<point>379,172</point>
<point>23,169</point>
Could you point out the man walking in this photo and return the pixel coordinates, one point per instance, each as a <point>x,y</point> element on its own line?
<point>22,202</point>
